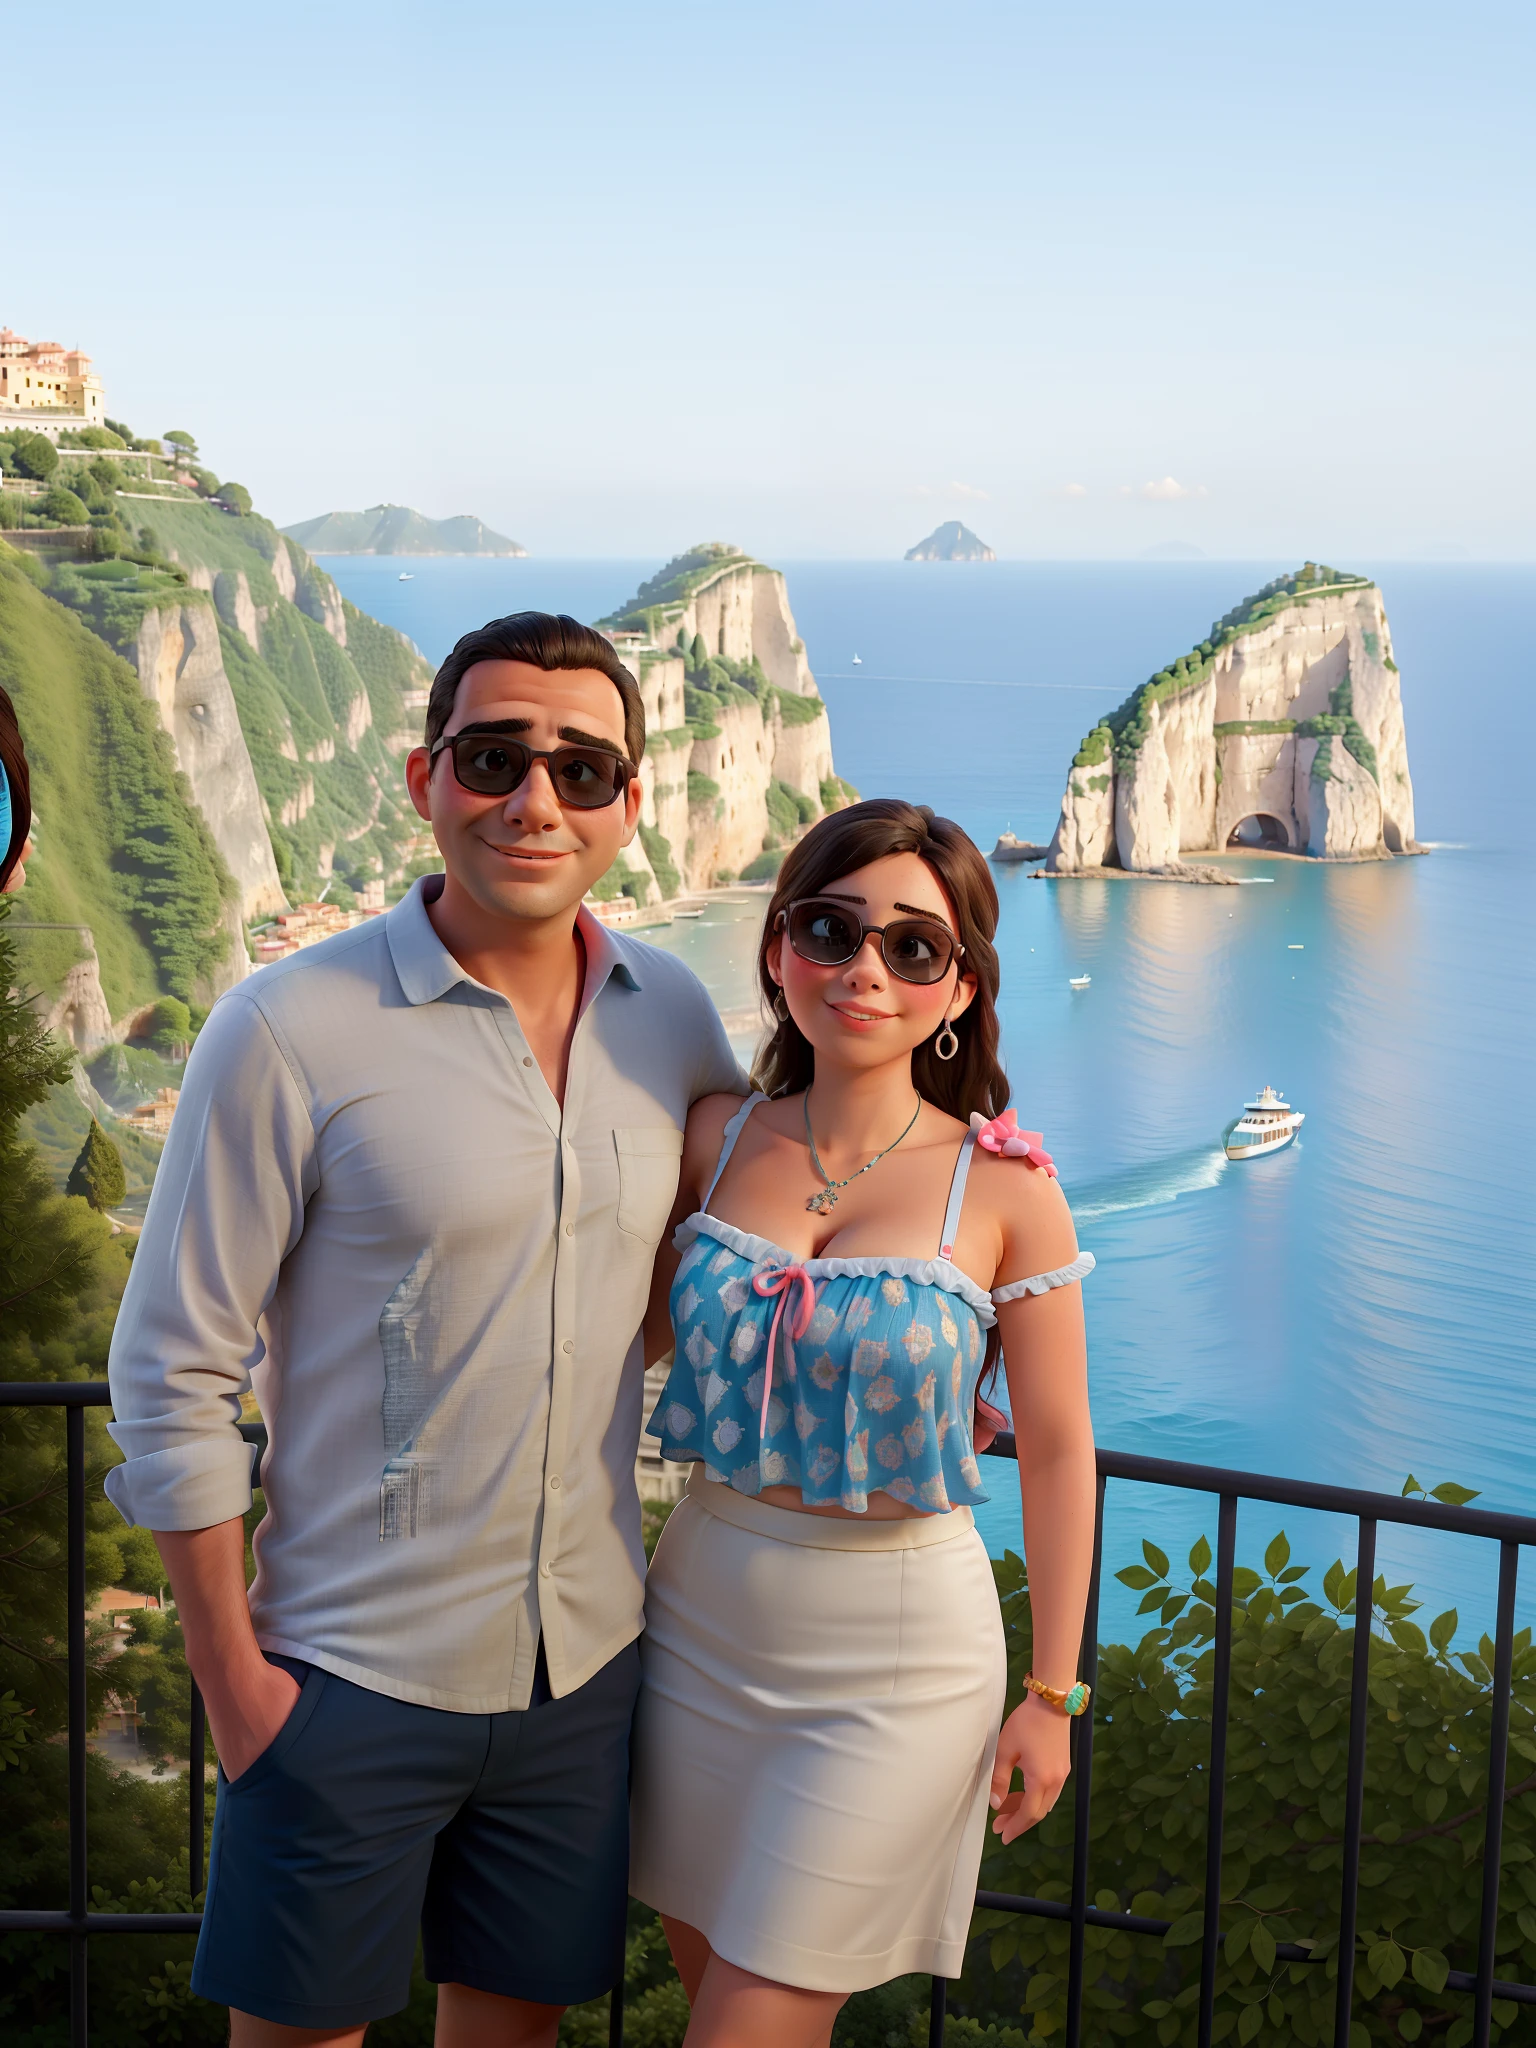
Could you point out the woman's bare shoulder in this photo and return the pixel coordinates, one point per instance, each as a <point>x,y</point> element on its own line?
<point>708,1118</point>
<point>1027,1204</point>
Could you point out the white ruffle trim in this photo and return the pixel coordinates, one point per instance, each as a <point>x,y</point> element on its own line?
<point>763,1252</point>
<point>1042,1283</point>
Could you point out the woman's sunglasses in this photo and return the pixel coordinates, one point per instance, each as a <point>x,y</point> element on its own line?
<point>491,764</point>
<point>828,934</point>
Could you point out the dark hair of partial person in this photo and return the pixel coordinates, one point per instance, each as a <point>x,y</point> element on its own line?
<point>852,838</point>
<point>14,757</point>
<point>547,640</point>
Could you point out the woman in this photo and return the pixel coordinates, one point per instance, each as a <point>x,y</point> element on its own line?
<point>15,801</point>
<point>817,1738</point>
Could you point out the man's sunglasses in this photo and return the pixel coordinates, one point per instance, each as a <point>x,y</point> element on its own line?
<point>492,764</point>
<point>828,934</point>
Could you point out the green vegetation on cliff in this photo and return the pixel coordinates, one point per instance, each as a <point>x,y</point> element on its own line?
<point>1128,726</point>
<point>317,716</point>
<point>397,530</point>
<point>121,847</point>
<point>675,583</point>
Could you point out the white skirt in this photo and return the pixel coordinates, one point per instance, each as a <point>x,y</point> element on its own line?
<point>814,1737</point>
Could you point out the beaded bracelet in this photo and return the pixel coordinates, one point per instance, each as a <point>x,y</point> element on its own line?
<point>1071,1702</point>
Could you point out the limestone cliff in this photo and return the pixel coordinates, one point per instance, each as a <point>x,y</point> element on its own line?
<point>181,666</point>
<point>739,750</point>
<point>1284,728</point>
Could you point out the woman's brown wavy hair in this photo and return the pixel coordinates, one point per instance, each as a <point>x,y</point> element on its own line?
<point>852,838</point>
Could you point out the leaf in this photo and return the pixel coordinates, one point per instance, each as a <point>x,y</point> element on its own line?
<point>1269,1898</point>
<point>1238,1939</point>
<point>1408,1636</point>
<point>1295,1572</point>
<point>1153,1599</point>
<point>1137,1577</point>
<point>1186,1929</point>
<point>1261,1947</point>
<point>1443,1628</point>
<point>1359,2035</point>
<point>1278,1555</point>
<point>1155,1557</point>
<point>1250,2023</point>
<point>1453,1495</point>
<point>1430,1968</point>
<point>1174,1607</point>
<point>1245,1582</point>
<point>1386,1962</point>
<point>1410,2024</point>
<point>1200,1558</point>
<point>1410,1485</point>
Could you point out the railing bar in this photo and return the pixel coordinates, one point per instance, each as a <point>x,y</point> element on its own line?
<point>14,1921</point>
<point>938,2011</point>
<point>1354,1790</point>
<point>1303,1493</point>
<point>1498,1758</point>
<point>74,1461</point>
<point>197,1787</point>
<point>1216,1788</point>
<point>1082,1771</point>
<point>616,2015</point>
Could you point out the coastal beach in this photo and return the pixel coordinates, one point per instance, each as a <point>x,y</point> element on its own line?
<point>1355,1309</point>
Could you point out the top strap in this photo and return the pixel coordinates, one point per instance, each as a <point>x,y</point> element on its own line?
<point>956,1196</point>
<point>733,1131</point>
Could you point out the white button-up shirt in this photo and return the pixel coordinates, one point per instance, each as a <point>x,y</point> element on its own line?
<point>372,1209</point>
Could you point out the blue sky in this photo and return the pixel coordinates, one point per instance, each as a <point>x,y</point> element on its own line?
<point>807,277</point>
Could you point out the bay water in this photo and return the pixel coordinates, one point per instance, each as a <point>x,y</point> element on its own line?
<point>1359,1306</point>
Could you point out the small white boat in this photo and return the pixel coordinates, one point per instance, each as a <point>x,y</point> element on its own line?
<point>1264,1126</point>
<point>858,661</point>
<point>687,913</point>
<point>1080,981</point>
<point>405,577</point>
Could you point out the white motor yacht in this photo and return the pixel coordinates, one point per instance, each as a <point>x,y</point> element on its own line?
<point>1264,1126</point>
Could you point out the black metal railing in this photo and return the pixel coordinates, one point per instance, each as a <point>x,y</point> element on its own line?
<point>1367,1510</point>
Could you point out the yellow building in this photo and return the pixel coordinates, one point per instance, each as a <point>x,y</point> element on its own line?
<point>47,388</point>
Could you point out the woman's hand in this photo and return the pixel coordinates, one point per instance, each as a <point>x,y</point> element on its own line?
<point>1036,1740</point>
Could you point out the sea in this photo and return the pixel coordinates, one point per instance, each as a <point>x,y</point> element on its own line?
<point>1357,1308</point>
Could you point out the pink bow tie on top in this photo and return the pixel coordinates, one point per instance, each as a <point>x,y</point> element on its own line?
<point>1003,1135</point>
<point>783,1281</point>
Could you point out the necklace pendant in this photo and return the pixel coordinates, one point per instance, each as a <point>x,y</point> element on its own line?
<point>820,1204</point>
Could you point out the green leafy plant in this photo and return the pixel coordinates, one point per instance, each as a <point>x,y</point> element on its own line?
<point>97,1173</point>
<point>1291,1659</point>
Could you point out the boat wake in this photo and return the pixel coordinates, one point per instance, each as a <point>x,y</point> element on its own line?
<point>1148,1187</point>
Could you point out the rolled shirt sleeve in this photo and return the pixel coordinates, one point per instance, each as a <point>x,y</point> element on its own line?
<point>227,1208</point>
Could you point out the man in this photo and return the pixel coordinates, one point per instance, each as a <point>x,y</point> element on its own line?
<point>413,1194</point>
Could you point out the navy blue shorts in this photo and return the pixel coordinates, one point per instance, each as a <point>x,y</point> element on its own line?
<point>504,1837</point>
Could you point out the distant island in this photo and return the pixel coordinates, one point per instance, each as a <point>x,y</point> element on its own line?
<point>397,530</point>
<point>1281,732</point>
<point>951,542</point>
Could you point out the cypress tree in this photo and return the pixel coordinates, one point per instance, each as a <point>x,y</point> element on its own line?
<point>700,652</point>
<point>98,1172</point>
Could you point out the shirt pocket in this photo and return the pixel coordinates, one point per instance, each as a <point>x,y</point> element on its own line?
<point>650,1157</point>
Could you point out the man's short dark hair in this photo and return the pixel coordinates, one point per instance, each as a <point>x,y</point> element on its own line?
<point>547,640</point>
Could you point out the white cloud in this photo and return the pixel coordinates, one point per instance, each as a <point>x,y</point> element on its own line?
<point>1170,487</point>
<point>1073,491</point>
<point>968,491</point>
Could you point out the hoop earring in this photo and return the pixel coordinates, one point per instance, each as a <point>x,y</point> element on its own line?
<point>943,1050</point>
<point>781,1008</point>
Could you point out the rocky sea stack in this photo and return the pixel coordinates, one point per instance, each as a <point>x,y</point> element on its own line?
<point>1282,730</point>
<point>951,542</point>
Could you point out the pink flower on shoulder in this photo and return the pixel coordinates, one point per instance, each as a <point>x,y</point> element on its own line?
<point>1003,1135</point>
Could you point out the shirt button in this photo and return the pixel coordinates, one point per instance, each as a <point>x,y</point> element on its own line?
<point>544,1570</point>
<point>570,1230</point>
<point>554,1484</point>
<point>526,1061</point>
<point>567,1345</point>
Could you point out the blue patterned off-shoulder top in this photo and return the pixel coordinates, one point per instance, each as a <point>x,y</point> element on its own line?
<point>843,1377</point>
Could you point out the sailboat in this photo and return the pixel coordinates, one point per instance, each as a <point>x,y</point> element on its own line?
<point>406,577</point>
<point>858,661</point>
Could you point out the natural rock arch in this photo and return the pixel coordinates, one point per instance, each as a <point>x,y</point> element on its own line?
<point>1260,828</point>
